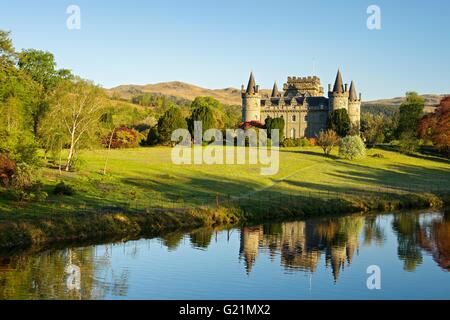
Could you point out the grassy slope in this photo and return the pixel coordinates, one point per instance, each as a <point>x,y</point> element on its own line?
<point>147,177</point>
<point>139,180</point>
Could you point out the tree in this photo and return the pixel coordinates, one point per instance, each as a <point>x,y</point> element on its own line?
<point>441,135</point>
<point>352,147</point>
<point>205,115</point>
<point>78,105</point>
<point>211,112</point>
<point>120,138</point>
<point>275,124</point>
<point>339,122</point>
<point>16,97</point>
<point>169,122</point>
<point>41,67</point>
<point>205,102</point>
<point>427,126</point>
<point>435,127</point>
<point>373,128</point>
<point>410,114</point>
<point>327,140</point>
<point>7,51</point>
<point>408,142</point>
<point>107,122</point>
<point>7,170</point>
<point>152,138</point>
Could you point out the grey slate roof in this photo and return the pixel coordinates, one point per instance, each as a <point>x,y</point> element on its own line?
<point>353,96</point>
<point>338,84</point>
<point>275,92</point>
<point>251,84</point>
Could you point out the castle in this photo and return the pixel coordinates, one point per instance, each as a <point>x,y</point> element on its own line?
<point>302,104</point>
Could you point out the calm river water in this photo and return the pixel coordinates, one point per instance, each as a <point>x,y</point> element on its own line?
<point>312,259</point>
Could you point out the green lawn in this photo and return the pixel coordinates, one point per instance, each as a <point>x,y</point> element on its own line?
<point>146,177</point>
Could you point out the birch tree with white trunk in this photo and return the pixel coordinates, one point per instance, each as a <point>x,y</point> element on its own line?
<point>77,106</point>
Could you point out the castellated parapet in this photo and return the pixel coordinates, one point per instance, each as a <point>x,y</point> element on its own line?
<point>303,86</point>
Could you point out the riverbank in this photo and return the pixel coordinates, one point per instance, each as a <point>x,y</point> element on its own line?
<point>90,226</point>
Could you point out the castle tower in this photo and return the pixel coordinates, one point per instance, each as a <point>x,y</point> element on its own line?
<point>249,246</point>
<point>354,106</point>
<point>251,101</point>
<point>339,96</point>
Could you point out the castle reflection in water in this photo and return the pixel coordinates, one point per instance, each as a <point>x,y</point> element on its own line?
<point>301,244</point>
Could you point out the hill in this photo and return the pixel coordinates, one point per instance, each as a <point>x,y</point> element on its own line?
<point>232,96</point>
<point>431,101</point>
<point>180,90</point>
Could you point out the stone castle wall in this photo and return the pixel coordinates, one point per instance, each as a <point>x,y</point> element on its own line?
<point>299,122</point>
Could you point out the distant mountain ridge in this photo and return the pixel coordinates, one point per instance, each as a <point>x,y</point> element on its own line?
<point>177,89</point>
<point>230,96</point>
<point>431,101</point>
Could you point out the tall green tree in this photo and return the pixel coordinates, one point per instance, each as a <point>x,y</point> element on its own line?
<point>7,51</point>
<point>203,114</point>
<point>339,122</point>
<point>411,112</point>
<point>171,120</point>
<point>16,98</point>
<point>275,124</point>
<point>41,67</point>
<point>209,111</point>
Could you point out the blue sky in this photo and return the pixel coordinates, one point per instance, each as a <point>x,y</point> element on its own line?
<point>216,43</point>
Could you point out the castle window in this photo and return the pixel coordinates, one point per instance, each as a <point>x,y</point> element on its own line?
<point>306,118</point>
<point>294,118</point>
<point>293,133</point>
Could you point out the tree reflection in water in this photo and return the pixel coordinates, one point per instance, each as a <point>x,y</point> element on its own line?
<point>299,246</point>
<point>71,274</point>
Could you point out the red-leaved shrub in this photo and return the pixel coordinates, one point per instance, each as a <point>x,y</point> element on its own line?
<point>7,169</point>
<point>122,137</point>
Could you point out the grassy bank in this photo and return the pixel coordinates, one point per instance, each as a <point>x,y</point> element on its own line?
<point>21,233</point>
<point>144,193</point>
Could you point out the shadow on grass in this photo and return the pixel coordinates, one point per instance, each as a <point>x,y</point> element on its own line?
<point>214,189</point>
<point>318,154</point>
<point>424,153</point>
<point>396,176</point>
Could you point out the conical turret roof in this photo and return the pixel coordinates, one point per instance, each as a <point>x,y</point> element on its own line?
<point>353,96</point>
<point>251,84</point>
<point>275,92</point>
<point>338,84</point>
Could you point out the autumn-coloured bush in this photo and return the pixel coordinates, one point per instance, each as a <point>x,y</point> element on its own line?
<point>313,142</point>
<point>441,136</point>
<point>327,140</point>
<point>122,137</point>
<point>435,127</point>
<point>7,170</point>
